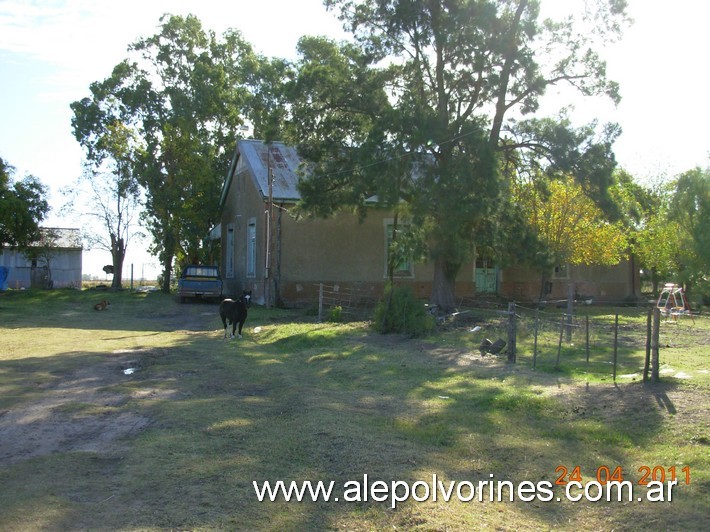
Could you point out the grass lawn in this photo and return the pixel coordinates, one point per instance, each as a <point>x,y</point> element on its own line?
<point>143,418</point>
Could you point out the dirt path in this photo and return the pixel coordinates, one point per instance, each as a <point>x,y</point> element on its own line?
<point>72,413</point>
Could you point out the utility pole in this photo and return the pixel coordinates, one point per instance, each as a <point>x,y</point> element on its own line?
<point>269,240</point>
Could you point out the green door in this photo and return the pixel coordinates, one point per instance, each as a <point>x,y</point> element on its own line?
<point>486,277</point>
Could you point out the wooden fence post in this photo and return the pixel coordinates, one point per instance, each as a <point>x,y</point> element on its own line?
<point>655,356</point>
<point>647,360</point>
<point>570,310</point>
<point>511,332</point>
<point>320,302</point>
<point>537,323</point>
<point>586,333</point>
<point>616,342</point>
<point>559,344</point>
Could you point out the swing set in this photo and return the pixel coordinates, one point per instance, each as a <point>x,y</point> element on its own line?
<point>673,303</point>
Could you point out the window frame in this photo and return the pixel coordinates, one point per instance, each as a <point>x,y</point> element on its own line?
<point>406,270</point>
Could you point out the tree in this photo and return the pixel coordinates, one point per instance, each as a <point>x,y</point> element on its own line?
<point>643,215</point>
<point>572,227</point>
<point>690,210</point>
<point>23,206</point>
<point>656,245</point>
<point>184,96</point>
<point>672,241</point>
<point>427,109</point>
<point>113,194</point>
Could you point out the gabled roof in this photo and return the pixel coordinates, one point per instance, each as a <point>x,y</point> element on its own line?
<point>257,157</point>
<point>65,238</point>
<point>58,238</point>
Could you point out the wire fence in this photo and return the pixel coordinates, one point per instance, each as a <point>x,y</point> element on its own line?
<point>612,341</point>
<point>336,302</point>
<point>626,343</point>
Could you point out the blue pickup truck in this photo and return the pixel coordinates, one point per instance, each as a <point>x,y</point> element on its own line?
<point>200,281</point>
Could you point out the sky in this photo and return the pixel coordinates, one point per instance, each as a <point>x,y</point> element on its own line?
<point>52,50</point>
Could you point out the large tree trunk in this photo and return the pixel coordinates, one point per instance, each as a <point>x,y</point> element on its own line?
<point>118,254</point>
<point>116,283</point>
<point>166,256</point>
<point>167,270</point>
<point>443,290</point>
<point>655,281</point>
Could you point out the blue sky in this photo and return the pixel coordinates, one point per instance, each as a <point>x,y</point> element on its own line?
<point>51,50</point>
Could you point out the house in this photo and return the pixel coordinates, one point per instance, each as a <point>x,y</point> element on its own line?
<point>617,284</point>
<point>282,259</point>
<point>54,261</point>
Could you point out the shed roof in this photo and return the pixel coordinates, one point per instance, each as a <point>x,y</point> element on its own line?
<point>58,238</point>
<point>66,238</point>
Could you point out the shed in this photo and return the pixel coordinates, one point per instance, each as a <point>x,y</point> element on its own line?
<point>55,261</point>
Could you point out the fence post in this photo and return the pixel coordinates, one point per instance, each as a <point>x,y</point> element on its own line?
<point>616,342</point>
<point>320,302</point>
<point>537,322</point>
<point>647,360</point>
<point>586,332</point>
<point>511,332</point>
<point>570,310</point>
<point>655,345</point>
<point>559,344</point>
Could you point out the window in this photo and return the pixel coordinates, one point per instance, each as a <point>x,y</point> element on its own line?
<point>561,271</point>
<point>404,266</point>
<point>251,248</point>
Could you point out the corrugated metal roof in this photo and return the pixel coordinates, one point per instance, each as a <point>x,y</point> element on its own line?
<point>283,161</point>
<point>57,237</point>
<point>61,237</point>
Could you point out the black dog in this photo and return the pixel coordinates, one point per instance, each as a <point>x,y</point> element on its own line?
<point>235,312</point>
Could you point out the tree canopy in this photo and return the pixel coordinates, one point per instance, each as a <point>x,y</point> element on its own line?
<point>690,210</point>
<point>573,228</point>
<point>111,199</point>
<point>23,206</point>
<point>432,110</point>
<point>183,94</point>
<point>670,227</point>
<point>427,111</point>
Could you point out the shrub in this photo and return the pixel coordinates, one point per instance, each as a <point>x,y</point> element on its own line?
<point>401,312</point>
<point>336,314</point>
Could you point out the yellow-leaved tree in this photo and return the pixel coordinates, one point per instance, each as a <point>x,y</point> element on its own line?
<point>571,226</point>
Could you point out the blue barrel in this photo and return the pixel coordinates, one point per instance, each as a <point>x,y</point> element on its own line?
<point>4,272</point>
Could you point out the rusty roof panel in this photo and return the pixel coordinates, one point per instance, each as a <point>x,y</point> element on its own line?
<point>283,161</point>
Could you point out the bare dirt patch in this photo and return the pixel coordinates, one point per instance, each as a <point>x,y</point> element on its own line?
<point>74,412</point>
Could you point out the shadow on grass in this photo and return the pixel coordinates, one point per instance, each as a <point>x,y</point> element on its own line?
<point>74,309</point>
<point>310,402</point>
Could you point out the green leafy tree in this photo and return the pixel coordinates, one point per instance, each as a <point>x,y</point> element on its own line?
<point>656,245</point>
<point>426,109</point>
<point>690,210</point>
<point>642,212</point>
<point>184,94</point>
<point>632,201</point>
<point>672,240</point>
<point>23,206</point>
